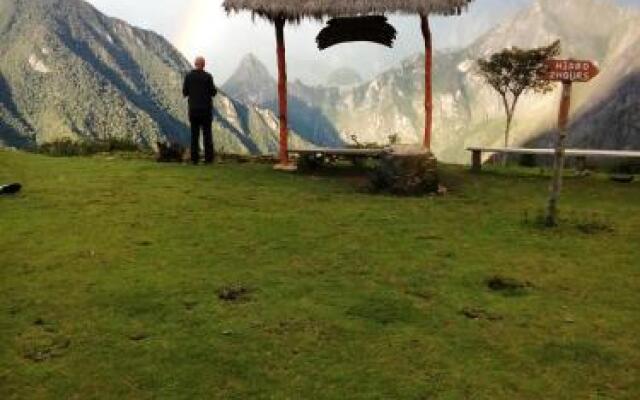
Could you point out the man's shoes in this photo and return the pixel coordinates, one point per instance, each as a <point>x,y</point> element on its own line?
<point>206,162</point>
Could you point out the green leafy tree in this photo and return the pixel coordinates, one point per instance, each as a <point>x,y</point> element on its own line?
<point>514,72</point>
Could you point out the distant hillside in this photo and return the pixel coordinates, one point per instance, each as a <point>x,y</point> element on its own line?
<point>253,84</point>
<point>467,112</point>
<point>66,70</point>
<point>344,77</point>
<point>610,117</point>
<point>603,115</point>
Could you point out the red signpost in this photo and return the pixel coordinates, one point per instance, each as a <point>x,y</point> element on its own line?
<point>567,72</point>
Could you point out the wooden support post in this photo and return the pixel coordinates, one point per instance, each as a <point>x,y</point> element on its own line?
<point>428,88</point>
<point>558,164</point>
<point>476,160</point>
<point>282,92</point>
<point>581,164</point>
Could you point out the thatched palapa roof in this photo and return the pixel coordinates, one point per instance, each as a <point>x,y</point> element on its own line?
<point>295,10</point>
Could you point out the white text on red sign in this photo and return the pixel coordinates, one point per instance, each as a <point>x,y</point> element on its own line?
<point>570,70</point>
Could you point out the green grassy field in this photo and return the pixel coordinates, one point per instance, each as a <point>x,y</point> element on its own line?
<point>111,273</point>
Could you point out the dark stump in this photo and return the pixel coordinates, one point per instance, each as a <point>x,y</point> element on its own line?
<point>406,171</point>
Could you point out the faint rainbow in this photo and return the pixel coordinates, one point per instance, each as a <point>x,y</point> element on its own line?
<point>195,26</point>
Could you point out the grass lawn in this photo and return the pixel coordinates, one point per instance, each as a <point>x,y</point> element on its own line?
<point>111,273</point>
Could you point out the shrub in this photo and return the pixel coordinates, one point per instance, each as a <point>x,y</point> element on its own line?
<point>310,162</point>
<point>113,145</point>
<point>406,174</point>
<point>72,148</point>
<point>171,152</point>
<point>528,160</point>
<point>358,145</point>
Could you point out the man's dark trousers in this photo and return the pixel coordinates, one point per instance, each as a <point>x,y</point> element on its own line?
<point>200,89</point>
<point>201,121</point>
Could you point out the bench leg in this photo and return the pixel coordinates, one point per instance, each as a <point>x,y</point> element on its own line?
<point>476,161</point>
<point>581,164</point>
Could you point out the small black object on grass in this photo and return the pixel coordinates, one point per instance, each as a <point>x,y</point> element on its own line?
<point>10,189</point>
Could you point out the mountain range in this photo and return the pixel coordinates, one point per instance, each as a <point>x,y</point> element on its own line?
<point>66,70</point>
<point>467,112</point>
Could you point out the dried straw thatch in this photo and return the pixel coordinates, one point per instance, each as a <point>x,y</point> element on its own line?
<point>295,10</point>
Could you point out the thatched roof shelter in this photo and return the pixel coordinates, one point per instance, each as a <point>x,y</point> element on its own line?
<point>320,9</point>
<point>282,11</point>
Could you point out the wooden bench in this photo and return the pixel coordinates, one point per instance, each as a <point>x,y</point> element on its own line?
<point>580,154</point>
<point>377,152</point>
<point>352,155</point>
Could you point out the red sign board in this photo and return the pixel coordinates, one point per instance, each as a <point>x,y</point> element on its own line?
<point>571,70</point>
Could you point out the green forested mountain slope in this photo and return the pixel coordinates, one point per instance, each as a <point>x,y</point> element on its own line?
<point>66,70</point>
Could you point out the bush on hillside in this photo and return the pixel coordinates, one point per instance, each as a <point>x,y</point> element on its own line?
<point>73,148</point>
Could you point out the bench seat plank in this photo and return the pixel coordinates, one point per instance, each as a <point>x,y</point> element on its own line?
<point>340,152</point>
<point>568,152</point>
<point>580,154</point>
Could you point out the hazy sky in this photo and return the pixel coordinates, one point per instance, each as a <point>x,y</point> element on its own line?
<point>202,27</point>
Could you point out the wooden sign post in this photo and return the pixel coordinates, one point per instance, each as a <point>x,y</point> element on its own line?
<point>567,72</point>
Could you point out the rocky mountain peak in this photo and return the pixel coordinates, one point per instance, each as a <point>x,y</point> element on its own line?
<point>251,82</point>
<point>251,69</point>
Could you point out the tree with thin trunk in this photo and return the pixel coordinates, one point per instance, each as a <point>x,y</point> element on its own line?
<point>514,72</point>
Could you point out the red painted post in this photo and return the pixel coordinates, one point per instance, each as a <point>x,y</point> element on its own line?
<point>558,165</point>
<point>428,88</point>
<point>565,71</point>
<point>282,92</point>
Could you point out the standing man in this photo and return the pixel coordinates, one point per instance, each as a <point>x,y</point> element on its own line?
<point>200,89</point>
